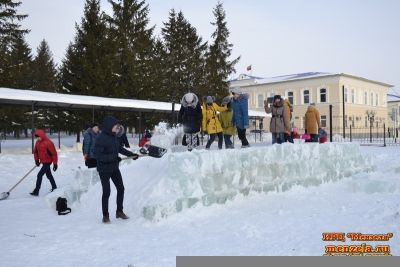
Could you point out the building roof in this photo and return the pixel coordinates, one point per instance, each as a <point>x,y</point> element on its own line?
<point>55,100</point>
<point>308,75</point>
<point>393,95</point>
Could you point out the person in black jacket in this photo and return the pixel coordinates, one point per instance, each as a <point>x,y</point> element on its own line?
<point>106,151</point>
<point>190,116</point>
<point>122,138</point>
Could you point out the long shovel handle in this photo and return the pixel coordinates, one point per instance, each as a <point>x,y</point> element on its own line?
<point>26,175</point>
<point>132,157</point>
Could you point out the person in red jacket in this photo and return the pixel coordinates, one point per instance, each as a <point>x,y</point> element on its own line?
<point>45,153</point>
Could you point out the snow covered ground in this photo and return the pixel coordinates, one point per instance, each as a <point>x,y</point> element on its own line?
<point>276,222</point>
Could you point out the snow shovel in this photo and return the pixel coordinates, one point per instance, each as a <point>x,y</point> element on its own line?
<point>5,195</point>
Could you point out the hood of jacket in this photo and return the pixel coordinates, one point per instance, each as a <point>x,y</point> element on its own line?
<point>108,124</point>
<point>185,104</point>
<point>41,134</point>
<point>310,109</point>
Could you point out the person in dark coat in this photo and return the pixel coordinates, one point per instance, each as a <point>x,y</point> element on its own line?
<point>106,151</point>
<point>45,153</point>
<point>190,116</point>
<point>89,141</point>
<point>122,138</point>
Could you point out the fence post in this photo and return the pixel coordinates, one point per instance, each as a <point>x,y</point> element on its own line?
<point>370,132</point>
<point>384,134</point>
<point>351,137</point>
<point>330,124</point>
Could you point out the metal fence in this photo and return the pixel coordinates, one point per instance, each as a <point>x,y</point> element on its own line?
<point>380,136</point>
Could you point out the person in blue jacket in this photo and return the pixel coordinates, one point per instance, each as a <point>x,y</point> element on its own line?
<point>106,150</point>
<point>89,141</point>
<point>240,114</point>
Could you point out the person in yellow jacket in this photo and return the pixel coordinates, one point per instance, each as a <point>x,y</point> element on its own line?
<point>211,124</point>
<point>288,109</point>
<point>225,118</point>
<point>312,122</point>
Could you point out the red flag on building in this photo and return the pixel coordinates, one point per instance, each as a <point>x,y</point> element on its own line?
<point>249,68</point>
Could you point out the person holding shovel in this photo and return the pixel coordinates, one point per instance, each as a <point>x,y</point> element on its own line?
<point>106,152</point>
<point>44,153</point>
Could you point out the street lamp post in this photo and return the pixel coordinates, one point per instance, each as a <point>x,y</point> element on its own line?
<point>371,116</point>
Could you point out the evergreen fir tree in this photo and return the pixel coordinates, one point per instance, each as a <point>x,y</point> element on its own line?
<point>133,44</point>
<point>218,66</point>
<point>44,69</point>
<point>184,57</point>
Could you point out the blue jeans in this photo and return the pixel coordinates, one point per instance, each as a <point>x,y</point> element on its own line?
<point>212,138</point>
<point>278,138</point>
<point>228,141</point>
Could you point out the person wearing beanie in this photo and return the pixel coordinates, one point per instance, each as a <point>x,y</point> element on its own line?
<point>280,120</point>
<point>45,153</point>
<point>240,108</point>
<point>210,122</point>
<point>89,141</point>
<point>225,118</point>
<point>190,116</point>
<point>106,151</point>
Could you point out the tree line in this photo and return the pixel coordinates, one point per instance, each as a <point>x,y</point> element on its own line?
<point>114,55</point>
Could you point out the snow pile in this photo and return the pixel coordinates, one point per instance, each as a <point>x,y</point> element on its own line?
<point>157,188</point>
<point>208,177</point>
<point>164,136</point>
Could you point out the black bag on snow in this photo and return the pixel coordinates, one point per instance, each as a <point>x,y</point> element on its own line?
<point>61,206</point>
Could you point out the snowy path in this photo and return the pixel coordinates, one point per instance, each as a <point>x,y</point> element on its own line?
<point>289,223</point>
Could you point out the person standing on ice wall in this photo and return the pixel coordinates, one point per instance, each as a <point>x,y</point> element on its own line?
<point>280,121</point>
<point>106,152</point>
<point>312,122</point>
<point>240,107</point>
<point>89,141</point>
<point>211,124</point>
<point>44,153</point>
<point>190,116</point>
<point>226,122</point>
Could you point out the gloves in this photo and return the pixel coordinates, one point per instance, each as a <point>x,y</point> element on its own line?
<point>119,159</point>
<point>133,156</point>
<point>86,156</point>
<point>37,163</point>
<point>55,166</point>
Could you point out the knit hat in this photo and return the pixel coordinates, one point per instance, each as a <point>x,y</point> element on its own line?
<point>236,91</point>
<point>226,100</point>
<point>277,97</point>
<point>209,99</point>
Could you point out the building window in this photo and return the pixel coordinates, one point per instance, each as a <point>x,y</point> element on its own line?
<point>376,100</point>
<point>323,121</point>
<point>290,96</point>
<point>345,95</point>
<point>365,98</point>
<point>353,96</point>
<point>306,97</point>
<point>260,101</point>
<point>322,95</point>
<point>372,99</point>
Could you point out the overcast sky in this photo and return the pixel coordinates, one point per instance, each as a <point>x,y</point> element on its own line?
<point>360,37</point>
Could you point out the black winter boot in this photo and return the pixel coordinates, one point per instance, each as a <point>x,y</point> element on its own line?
<point>106,219</point>
<point>122,215</point>
<point>35,192</point>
